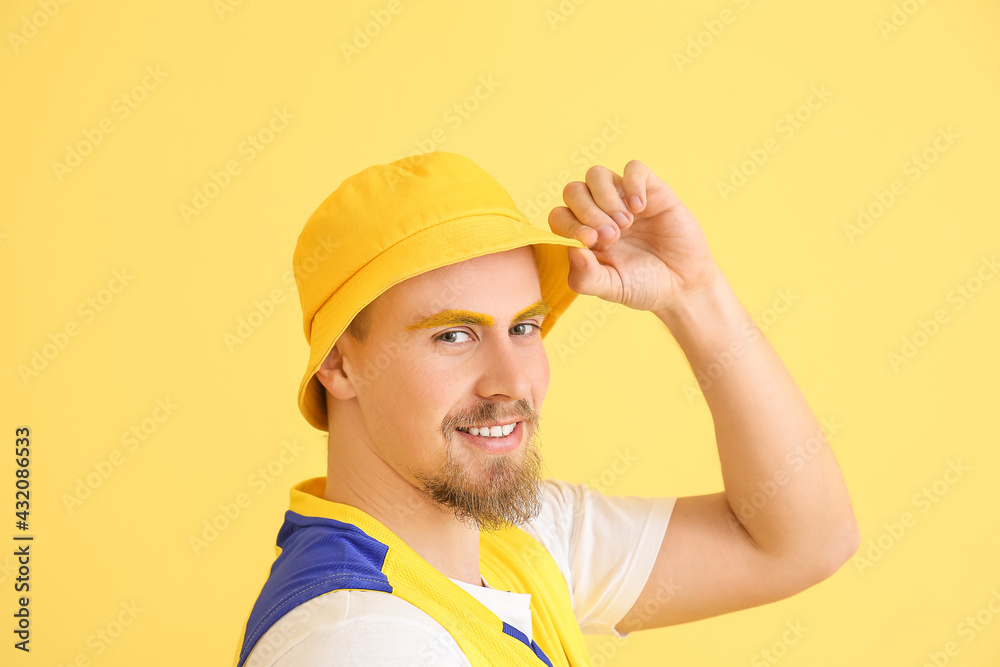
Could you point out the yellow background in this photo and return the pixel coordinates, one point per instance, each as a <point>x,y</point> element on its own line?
<point>560,74</point>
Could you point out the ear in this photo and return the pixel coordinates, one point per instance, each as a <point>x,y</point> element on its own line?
<point>333,374</point>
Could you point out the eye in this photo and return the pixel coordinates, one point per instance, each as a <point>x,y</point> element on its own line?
<point>528,324</point>
<point>450,333</point>
<point>535,329</point>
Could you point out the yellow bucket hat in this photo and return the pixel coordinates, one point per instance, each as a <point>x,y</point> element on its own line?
<point>394,221</point>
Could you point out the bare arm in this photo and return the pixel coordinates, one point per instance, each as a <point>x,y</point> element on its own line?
<point>784,521</point>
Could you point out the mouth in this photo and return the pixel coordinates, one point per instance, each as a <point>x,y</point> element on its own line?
<point>495,444</point>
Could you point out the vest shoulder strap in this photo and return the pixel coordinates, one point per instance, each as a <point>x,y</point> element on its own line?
<point>317,555</point>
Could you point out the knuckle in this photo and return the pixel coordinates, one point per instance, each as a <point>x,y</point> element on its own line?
<point>594,218</point>
<point>611,201</point>
<point>572,188</point>
<point>559,214</point>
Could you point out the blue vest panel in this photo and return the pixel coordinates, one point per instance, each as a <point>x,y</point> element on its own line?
<point>317,556</point>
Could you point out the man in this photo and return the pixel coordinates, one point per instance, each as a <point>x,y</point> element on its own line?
<point>432,539</point>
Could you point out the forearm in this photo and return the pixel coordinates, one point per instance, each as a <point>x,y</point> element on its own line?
<point>781,478</point>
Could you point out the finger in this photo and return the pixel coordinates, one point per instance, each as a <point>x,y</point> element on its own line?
<point>582,205</point>
<point>609,194</point>
<point>634,179</point>
<point>641,182</point>
<point>589,277</point>
<point>564,223</point>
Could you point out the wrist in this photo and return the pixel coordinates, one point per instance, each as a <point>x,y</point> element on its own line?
<point>707,323</point>
<point>691,307</point>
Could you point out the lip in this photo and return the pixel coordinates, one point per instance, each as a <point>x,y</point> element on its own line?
<point>495,445</point>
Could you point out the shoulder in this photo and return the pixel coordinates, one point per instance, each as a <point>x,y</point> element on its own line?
<point>604,545</point>
<point>353,627</point>
<point>571,513</point>
<point>560,501</point>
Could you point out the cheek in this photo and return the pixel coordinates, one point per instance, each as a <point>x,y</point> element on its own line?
<point>388,401</point>
<point>540,381</point>
<point>416,399</point>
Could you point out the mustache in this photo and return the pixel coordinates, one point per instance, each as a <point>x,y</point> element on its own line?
<point>522,410</point>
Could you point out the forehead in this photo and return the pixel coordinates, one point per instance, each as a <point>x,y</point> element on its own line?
<point>501,280</point>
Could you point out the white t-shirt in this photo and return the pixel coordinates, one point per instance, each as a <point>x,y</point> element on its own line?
<point>605,547</point>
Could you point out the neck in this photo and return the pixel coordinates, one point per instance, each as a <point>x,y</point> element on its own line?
<point>356,476</point>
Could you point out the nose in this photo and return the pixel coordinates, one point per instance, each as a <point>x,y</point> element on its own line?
<point>506,368</point>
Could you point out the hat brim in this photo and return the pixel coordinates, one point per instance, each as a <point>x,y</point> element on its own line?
<point>448,242</point>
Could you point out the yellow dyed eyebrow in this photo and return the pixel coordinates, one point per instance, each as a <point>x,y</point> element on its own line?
<point>457,316</point>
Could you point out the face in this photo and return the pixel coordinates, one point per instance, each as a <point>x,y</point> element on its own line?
<point>450,349</point>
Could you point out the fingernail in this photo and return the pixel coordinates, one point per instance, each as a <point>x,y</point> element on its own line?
<point>606,233</point>
<point>634,202</point>
<point>621,219</point>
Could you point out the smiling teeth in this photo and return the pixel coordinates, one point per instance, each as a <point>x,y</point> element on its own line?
<point>493,432</point>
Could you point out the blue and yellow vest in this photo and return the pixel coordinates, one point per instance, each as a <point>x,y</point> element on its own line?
<point>324,546</point>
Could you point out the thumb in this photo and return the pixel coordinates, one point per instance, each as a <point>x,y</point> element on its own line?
<point>585,272</point>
